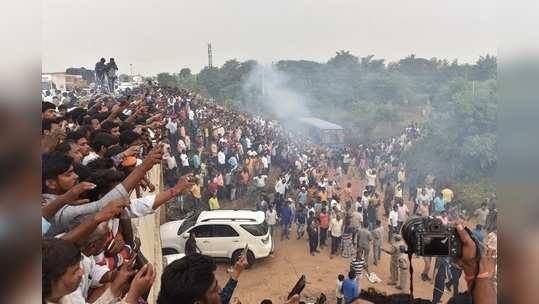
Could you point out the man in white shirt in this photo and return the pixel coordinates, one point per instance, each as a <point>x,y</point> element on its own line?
<point>185,162</point>
<point>371,180</point>
<point>393,224</point>
<point>172,126</point>
<point>404,213</point>
<point>221,160</point>
<point>421,198</point>
<point>336,229</point>
<point>271,218</point>
<point>280,187</point>
<point>260,182</point>
<point>265,164</point>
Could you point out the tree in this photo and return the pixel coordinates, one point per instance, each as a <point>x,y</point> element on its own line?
<point>123,78</point>
<point>485,68</point>
<point>343,59</point>
<point>185,73</point>
<point>165,79</point>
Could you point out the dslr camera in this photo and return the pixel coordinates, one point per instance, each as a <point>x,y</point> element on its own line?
<point>428,236</point>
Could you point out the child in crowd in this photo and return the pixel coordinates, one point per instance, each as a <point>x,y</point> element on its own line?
<point>338,291</point>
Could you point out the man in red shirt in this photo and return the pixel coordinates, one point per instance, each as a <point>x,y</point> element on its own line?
<point>324,225</point>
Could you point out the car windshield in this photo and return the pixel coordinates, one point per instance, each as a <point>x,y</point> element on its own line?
<point>189,221</point>
<point>256,229</point>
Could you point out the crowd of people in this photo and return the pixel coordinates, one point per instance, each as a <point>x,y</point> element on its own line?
<point>97,149</point>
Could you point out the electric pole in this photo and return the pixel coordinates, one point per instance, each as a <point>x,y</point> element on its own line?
<point>210,56</point>
<point>131,71</point>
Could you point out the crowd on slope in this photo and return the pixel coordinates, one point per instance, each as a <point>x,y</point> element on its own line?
<point>98,148</point>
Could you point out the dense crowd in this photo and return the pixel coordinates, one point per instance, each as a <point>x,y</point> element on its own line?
<point>97,149</point>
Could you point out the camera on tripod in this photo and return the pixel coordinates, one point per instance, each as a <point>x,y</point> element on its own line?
<point>428,236</point>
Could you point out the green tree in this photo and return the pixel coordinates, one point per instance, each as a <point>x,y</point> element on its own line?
<point>167,79</point>
<point>185,73</point>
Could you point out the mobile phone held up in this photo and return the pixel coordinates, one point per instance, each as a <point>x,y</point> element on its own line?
<point>245,250</point>
<point>298,288</point>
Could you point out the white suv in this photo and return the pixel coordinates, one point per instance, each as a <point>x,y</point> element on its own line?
<point>220,234</point>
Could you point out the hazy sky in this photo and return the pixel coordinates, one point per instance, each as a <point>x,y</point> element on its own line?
<point>166,35</point>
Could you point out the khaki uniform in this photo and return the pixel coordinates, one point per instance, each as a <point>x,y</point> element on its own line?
<point>394,262</point>
<point>404,264</point>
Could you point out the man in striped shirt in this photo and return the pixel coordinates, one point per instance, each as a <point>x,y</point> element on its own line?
<point>359,264</point>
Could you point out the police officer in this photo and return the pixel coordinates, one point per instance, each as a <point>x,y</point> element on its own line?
<point>403,269</point>
<point>394,252</point>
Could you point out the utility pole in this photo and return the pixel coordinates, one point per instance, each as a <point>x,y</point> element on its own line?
<point>131,72</point>
<point>210,56</point>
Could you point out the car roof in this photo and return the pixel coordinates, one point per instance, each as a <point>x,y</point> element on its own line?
<point>231,215</point>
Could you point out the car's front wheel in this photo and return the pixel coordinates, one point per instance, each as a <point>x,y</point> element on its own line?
<point>250,258</point>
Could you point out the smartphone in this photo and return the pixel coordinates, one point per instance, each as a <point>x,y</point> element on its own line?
<point>244,252</point>
<point>109,247</point>
<point>298,288</point>
<point>140,261</point>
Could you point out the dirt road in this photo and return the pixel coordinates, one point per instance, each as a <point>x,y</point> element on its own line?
<point>275,276</point>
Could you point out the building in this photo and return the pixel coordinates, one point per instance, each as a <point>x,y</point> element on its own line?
<point>62,81</point>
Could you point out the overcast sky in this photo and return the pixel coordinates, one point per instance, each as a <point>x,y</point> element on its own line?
<point>167,35</point>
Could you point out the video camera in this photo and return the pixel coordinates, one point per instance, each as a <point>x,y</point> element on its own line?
<point>428,236</point>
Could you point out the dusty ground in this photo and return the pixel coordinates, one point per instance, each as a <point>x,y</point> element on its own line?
<point>275,276</point>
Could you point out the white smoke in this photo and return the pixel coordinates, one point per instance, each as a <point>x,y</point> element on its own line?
<point>270,89</point>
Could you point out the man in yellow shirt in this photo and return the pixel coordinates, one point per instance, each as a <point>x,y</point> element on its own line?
<point>447,195</point>
<point>323,195</point>
<point>213,202</point>
<point>195,191</point>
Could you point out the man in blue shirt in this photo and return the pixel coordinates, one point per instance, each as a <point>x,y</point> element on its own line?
<point>478,233</point>
<point>350,287</point>
<point>439,204</point>
<point>286,218</point>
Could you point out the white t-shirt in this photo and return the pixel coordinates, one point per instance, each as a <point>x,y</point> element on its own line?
<point>422,198</point>
<point>184,159</point>
<point>221,158</point>
<point>264,162</point>
<point>89,158</point>
<point>402,211</point>
<point>431,193</point>
<point>271,217</point>
<point>393,218</point>
<point>172,127</point>
<point>260,181</point>
<point>280,187</point>
<point>371,179</point>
